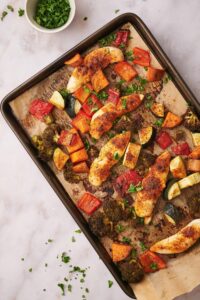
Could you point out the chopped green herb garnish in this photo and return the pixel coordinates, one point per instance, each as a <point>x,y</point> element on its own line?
<point>134,253</point>
<point>154,266</point>
<point>82,280</point>
<point>122,46</point>
<point>116,155</point>
<point>140,221</point>
<point>102,95</point>
<point>30,270</point>
<point>52,13</point>
<point>20,12</point>
<point>89,101</point>
<point>86,89</point>
<point>87,147</point>
<point>78,231</point>
<point>73,239</point>
<point>85,18</point>
<point>123,103</point>
<point>94,108</point>
<point>65,258</point>
<point>143,247</point>
<point>69,287</point>
<point>117,10</point>
<point>110,283</point>
<point>65,279</point>
<point>77,269</point>
<point>142,81</point>
<point>3,15</point>
<point>87,290</point>
<point>94,140</point>
<point>126,203</point>
<point>126,240</point>
<point>64,93</point>
<point>10,7</point>
<point>135,188</point>
<point>106,41</point>
<point>62,286</point>
<point>120,228</point>
<point>110,135</point>
<point>167,79</point>
<point>159,122</point>
<point>148,104</point>
<point>129,55</point>
<point>50,241</point>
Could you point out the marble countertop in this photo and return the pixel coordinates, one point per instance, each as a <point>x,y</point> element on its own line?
<point>30,212</point>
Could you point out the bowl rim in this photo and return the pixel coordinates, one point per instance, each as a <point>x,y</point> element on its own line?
<point>53,30</point>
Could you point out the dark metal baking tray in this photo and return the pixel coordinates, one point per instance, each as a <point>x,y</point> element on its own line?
<point>44,168</point>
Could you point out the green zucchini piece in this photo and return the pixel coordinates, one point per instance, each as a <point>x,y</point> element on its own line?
<point>158,109</point>
<point>189,180</point>
<point>146,134</point>
<point>171,213</point>
<point>172,190</point>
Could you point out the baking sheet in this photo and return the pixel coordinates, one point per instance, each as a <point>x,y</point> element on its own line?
<point>183,272</point>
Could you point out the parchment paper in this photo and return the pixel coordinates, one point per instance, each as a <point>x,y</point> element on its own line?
<point>183,272</point>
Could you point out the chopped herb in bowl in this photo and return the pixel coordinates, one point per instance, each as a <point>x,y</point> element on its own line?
<point>52,13</point>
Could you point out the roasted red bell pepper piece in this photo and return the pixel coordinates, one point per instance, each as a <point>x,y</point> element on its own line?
<point>141,57</point>
<point>151,262</point>
<point>113,96</point>
<point>181,149</point>
<point>124,181</point>
<point>91,105</point>
<point>122,37</point>
<point>89,203</point>
<point>82,122</point>
<point>163,139</point>
<point>39,109</point>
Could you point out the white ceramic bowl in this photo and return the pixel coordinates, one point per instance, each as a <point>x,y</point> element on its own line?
<point>30,7</point>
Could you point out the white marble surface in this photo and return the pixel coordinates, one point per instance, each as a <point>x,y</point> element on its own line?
<point>30,212</point>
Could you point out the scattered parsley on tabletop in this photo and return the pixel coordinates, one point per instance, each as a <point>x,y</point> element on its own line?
<point>20,12</point>
<point>73,239</point>
<point>10,7</point>
<point>62,287</point>
<point>143,247</point>
<point>78,231</point>
<point>30,270</point>
<point>110,283</point>
<point>3,15</point>
<point>65,258</point>
<point>117,10</point>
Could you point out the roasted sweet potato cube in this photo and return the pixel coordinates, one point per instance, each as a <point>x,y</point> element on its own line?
<point>82,122</point>
<point>154,74</point>
<point>83,92</point>
<point>60,158</point>
<point>78,156</point>
<point>75,61</point>
<point>171,120</point>
<point>120,251</point>
<point>99,81</point>
<point>81,168</point>
<point>125,70</point>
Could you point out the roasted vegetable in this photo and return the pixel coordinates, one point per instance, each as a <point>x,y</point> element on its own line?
<point>171,120</point>
<point>122,37</point>
<point>146,135</point>
<point>158,109</point>
<point>60,158</point>
<point>196,139</point>
<point>115,211</point>
<point>193,165</point>
<point>120,251</point>
<point>141,57</point>
<point>151,262</point>
<point>125,70</point>
<point>171,213</point>
<point>100,225</point>
<point>191,121</point>
<point>83,93</point>
<point>75,61</point>
<point>163,139</point>
<point>113,96</point>
<point>72,106</point>
<point>146,159</point>
<point>82,122</point>
<point>80,155</point>
<point>172,190</point>
<point>91,105</point>
<point>40,109</point>
<point>45,153</point>
<point>177,167</point>
<point>181,149</point>
<point>51,134</point>
<point>189,180</point>
<point>99,81</point>
<point>129,103</point>
<point>81,168</point>
<point>57,100</point>
<point>123,182</point>
<point>154,74</point>
<point>69,175</point>
<point>131,271</point>
<point>71,140</point>
<point>180,241</point>
<point>131,155</point>
<point>137,122</point>
<point>195,154</point>
<point>89,203</point>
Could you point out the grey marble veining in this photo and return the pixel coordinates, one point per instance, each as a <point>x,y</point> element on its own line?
<point>30,212</point>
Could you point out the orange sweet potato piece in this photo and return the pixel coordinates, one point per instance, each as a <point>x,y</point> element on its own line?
<point>81,168</point>
<point>99,81</point>
<point>120,251</point>
<point>81,122</point>
<point>171,120</point>
<point>154,74</point>
<point>195,154</point>
<point>83,93</point>
<point>75,61</point>
<point>193,165</point>
<point>125,70</point>
<point>79,155</point>
<point>76,142</point>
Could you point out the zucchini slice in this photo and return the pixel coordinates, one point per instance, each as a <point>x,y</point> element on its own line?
<point>171,213</point>
<point>189,180</point>
<point>146,134</point>
<point>57,100</point>
<point>177,167</point>
<point>196,139</point>
<point>172,190</point>
<point>158,109</point>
